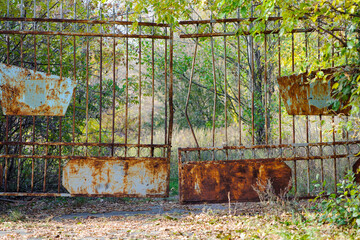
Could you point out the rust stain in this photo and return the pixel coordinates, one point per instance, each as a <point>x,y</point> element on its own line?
<point>302,97</point>
<point>356,168</point>
<point>25,92</point>
<point>212,181</point>
<point>125,178</point>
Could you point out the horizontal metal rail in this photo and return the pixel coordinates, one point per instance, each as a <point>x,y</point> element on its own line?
<point>79,157</point>
<point>85,21</point>
<point>84,144</point>
<point>246,33</point>
<point>270,146</point>
<point>83,34</point>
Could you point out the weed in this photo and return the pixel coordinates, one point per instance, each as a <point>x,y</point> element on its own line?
<point>16,215</point>
<point>342,209</point>
<point>280,203</point>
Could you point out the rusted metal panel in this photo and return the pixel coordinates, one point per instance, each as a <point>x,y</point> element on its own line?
<point>304,97</point>
<point>122,178</point>
<point>213,181</point>
<point>26,92</point>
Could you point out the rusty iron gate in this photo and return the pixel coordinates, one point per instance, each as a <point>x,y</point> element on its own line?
<point>275,129</point>
<point>79,108</point>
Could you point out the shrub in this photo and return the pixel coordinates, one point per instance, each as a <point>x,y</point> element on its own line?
<point>342,209</point>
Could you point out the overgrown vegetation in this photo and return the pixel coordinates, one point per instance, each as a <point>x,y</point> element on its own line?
<point>291,218</point>
<point>343,208</point>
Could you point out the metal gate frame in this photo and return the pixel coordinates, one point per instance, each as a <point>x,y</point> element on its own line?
<point>143,164</point>
<point>231,172</point>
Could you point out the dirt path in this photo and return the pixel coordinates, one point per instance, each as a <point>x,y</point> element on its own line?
<point>83,218</point>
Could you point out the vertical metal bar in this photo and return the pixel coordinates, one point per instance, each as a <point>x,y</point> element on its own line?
<point>139,116</point>
<point>48,37</point>
<point>251,39</point>
<point>347,117</point>
<point>166,88</point>
<point>347,145</point>
<point>334,152</point>
<point>225,97</point>
<point>7,35</point>
<point>21,37</point>
<point>279,67</point>
<point>318,46</point>
<point>47,117</point>
<point>306,51</point>
<point>33,159</point>
<point>239,78</point>
<point>127,86</point>
<point>46,152</point>
<point>114,87</point>
<point>293,117</point>
<point>308,155</point>
<point>20,117</point>
<point>7,117</point>
<point>33,117</point>
<point>225,91</point>
<point>87,79</point>
<point>215,90</point>
<point>307,125</point>
<point>7,152</point>
<point>171,106</point>
<point>292,53</point>
<point>332,52</point>
<point>321,151</point>
<point>20,151</point>
<point>101,79</point>
<point>266,89</point>
<point>74,69</point>
<point>74,95</point>
<point>152,89</point>
<point>252,91</point>
<point>320,117</point>
<point>60,140</point>
<point>60,118</point>
<point>35,63</point>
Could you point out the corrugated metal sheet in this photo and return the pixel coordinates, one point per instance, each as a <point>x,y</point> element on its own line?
<point>121,178</point>
<point>302,97</point>
<point>212,181</point>
<point>26,92</point>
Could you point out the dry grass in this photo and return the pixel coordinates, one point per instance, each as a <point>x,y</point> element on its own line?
<point>40,219</point>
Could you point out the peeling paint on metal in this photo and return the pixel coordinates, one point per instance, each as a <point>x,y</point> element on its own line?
<point>136,178</point>
<point>304,97</point>
<point>26,92</point>
<point>212,181</point>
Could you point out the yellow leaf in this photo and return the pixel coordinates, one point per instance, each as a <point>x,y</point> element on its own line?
<point>335,86</point>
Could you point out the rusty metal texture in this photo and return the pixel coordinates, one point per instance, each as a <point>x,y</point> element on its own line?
<point>39,155</point>
<point>84,21</point>
<point>246,33</point>
<point>302,95</point>
<point>213,181</point>
<point>27,92</point>
<point>79,34</point>
<point>140,178</point>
